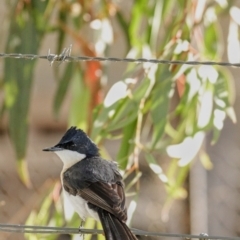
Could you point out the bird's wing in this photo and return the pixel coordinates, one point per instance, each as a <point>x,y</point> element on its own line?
<point>108,196</point>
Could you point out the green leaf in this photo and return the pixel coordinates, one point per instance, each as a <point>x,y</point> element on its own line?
<point>63,87</point>
<point>224,88</point>
<point>41,216</point>
<point>156,24</point>
<point>160,102</point>
<point>18,77</point>
<point>223,97</point>
<point>119,114</point>
<point>101,117</point>
<point>126,110</point>
<point>127,120</point>
<point>124,25</point>
<point>167,5</point>
<point>139,10</point>
<point>126,145</point>
<point>80,101</point>
<point>62,18</point>
<point>124,115</point>
<point>211,41</point>
<point>176,176</point>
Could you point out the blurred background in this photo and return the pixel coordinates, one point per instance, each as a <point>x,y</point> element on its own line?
<point>172,128</point>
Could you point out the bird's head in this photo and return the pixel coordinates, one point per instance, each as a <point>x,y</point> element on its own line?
<point>74,146</point>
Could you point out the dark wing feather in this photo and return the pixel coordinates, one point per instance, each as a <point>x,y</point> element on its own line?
<point>106,196</point>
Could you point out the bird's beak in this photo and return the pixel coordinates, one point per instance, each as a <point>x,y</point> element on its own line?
<point>52,149</point>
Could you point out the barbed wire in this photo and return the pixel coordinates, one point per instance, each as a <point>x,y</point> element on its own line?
<point>65,57</point>
<point>17,228</point>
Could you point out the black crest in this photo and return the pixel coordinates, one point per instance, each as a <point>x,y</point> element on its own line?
<point>77,140</point>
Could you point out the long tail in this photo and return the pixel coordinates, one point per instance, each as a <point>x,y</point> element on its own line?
<point>113,228</point>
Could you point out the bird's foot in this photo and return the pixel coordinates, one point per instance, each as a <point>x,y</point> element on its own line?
<point>80,229</point>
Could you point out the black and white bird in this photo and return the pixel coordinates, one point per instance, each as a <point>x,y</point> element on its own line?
<point>92,184</point>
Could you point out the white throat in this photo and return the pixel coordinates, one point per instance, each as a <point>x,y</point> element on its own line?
<point>69,157</point>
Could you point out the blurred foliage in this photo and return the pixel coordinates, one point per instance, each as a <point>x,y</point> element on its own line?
<point>154,109</point>
<point>28,22</point>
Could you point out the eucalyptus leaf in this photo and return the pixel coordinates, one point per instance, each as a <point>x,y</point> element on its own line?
<point>63,87</point>
<point>18,77</point>
<point>136,23</point>
<point>127,144</point>
<point>102,116</point>
<point>156,24</point>
<point>127,120</point>
<point>160,103</point>
<point>176,176</point>
<point>80,101</point>
<point>211,41</point>
<point>123,112</point>
<point>124,25</point>
<point>223,97</point>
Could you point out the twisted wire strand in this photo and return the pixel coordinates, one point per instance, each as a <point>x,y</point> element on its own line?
<point>65,57</point>
<point>57,230</point>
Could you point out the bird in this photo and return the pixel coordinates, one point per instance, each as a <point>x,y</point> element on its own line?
<point>93,185</point>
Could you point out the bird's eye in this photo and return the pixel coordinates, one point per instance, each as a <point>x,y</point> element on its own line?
<point>70,145</point>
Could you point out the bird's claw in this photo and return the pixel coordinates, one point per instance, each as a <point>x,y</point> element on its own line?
<point>80,229</point>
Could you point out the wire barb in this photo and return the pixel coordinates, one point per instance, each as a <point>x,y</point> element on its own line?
<point>17,228</point>
<point>65,56</point>
<point>61,57</point>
